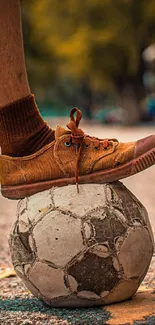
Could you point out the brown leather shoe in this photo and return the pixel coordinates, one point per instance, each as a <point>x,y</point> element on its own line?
<point>74,157</point>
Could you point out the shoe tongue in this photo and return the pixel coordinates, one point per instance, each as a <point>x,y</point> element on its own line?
<point>60,131</point>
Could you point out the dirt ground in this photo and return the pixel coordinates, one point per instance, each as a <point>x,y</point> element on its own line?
<point>142,185</point>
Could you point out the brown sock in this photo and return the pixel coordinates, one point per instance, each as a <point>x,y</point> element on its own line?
<point>22,129</point>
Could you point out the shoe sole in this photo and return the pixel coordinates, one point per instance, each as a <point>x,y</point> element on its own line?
<point>108,176</point>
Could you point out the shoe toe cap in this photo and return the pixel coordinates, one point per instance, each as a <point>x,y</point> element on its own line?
<point>144,145</point>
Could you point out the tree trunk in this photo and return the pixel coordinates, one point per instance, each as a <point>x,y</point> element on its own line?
<point>86,99</point>
<point>131,91</point>
<point>131,105</point>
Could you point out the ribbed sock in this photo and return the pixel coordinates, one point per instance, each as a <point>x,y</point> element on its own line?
<point>22,129</point>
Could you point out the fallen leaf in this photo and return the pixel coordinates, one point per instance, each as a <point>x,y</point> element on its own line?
<point>7,272</point>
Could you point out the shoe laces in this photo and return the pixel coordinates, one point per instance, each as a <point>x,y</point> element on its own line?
<point>78,138</point>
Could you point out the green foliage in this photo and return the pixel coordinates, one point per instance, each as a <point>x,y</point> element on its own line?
<point>96,39</point>
<point>87,45</point>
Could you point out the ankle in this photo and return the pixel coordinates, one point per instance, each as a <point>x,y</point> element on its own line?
<point>22,129</point>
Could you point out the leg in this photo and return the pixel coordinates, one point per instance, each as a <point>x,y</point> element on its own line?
<point>22,130</point>
<point>14,84</point>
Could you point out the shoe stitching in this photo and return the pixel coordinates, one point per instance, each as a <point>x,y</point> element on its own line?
<point>58,161</point>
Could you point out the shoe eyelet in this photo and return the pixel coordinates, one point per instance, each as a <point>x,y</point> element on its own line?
<point>105,148</point>
<point>118,164</point>
<point>96,148</point>
<point>67,144</point>
<point>86,146</point>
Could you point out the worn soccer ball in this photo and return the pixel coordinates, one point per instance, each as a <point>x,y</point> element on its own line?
<point>84,249</point>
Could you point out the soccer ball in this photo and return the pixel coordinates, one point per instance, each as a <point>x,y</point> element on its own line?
<point>85,249</point>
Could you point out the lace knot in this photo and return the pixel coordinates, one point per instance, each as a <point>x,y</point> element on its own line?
<point>77,134</point>
<point>78,137</point>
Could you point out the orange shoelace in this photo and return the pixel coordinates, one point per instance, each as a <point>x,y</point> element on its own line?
<point>78,138</point>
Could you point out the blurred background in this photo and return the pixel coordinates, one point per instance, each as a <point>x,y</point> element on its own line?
<point>98,55</point>
<point>94,54</point>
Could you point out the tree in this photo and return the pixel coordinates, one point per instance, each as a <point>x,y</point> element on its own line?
<point>99,44</point>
